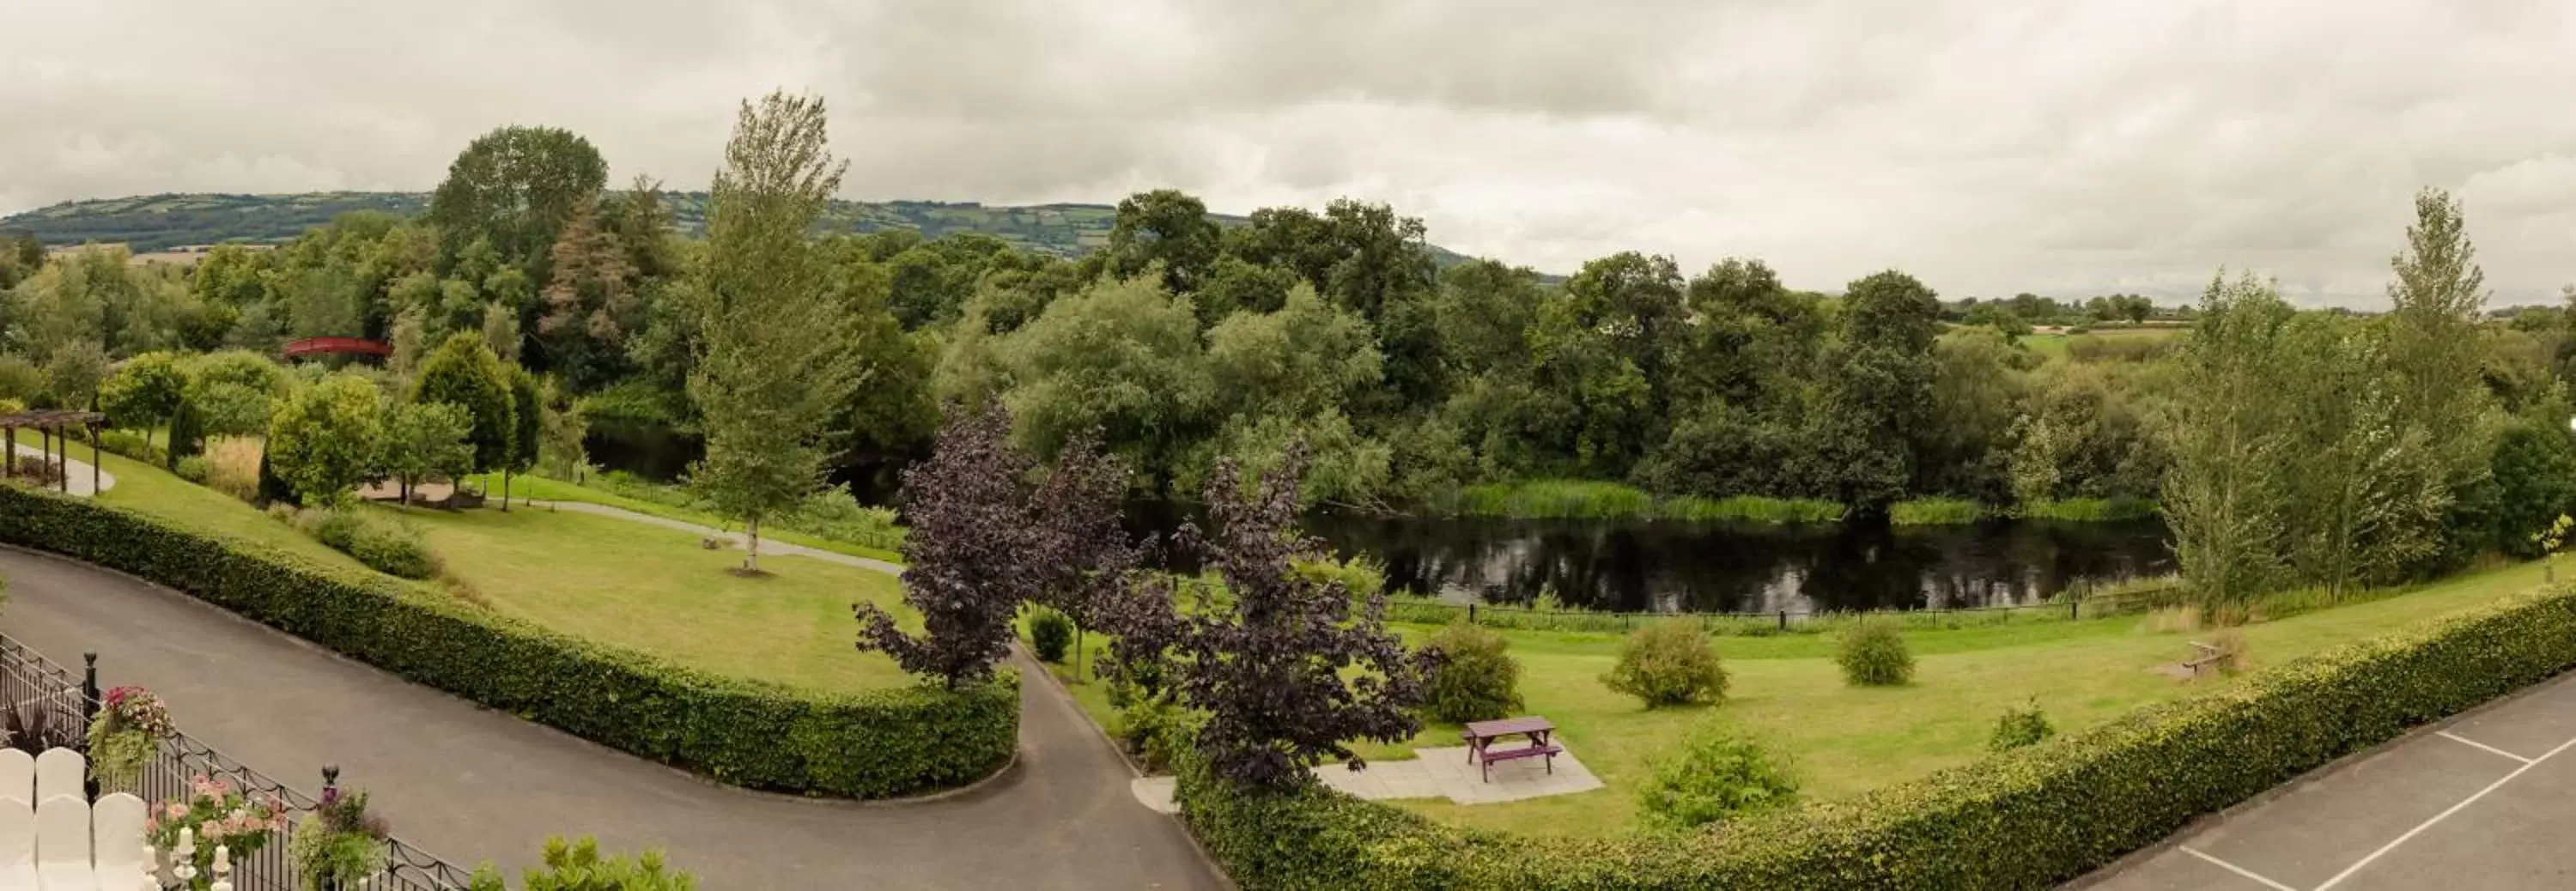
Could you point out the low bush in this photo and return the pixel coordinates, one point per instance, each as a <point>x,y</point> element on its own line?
<point>763,736</point>
<point>1668,662</point>
<point>1718,776</point>
<point>194,468</point>
<point>133,444</point>
<point>2033,820</point>
<point>1051,634</point>
<point>2021,727</point>
<point>1149,726</point>
<point>1873,654</point>
<point>1475,678</point>
<point>390,546</point>
<point>578,866</point>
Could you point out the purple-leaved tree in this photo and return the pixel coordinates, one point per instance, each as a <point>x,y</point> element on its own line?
<point>985,540</point>
<point>968,559</point>
<point>1285,668</point>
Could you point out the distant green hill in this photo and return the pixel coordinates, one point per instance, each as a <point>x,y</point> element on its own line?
<point>160,222</point>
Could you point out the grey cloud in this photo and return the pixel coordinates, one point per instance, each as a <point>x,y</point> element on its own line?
<point>1990,146</point>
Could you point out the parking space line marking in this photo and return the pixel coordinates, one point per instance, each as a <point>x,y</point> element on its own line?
<point>2239,870</point>
<point>2445,734</point>
<point>2437,818</point>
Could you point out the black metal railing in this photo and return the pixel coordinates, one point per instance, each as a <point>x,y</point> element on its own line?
<point>28,678</point>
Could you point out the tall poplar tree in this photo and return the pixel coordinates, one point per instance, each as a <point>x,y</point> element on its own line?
<point>773,362</point>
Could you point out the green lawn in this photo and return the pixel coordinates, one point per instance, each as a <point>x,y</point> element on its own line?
<point>546,489</point>
<point>610,580</point>
<point>1787,691</point>
<point>654,589</point>
<point>154,491</point>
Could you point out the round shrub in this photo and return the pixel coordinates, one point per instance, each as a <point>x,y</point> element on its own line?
<point>2021,727</point>
<point>1668,662</point>
<point>1051,634</point>
<point>1474,678</point>
<point>194,469</point>
<point>1719,776</point>
<point>1873,654</point>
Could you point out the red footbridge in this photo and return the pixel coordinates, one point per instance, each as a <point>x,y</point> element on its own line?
<point>345,346</point>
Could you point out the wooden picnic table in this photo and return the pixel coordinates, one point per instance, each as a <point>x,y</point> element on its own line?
<point>1481,735</point>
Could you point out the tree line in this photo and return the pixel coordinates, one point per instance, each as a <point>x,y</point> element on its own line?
<point>1178,341</point>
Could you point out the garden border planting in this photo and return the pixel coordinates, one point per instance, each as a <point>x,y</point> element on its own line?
<point>2028,818</point>
<point>879,744</point>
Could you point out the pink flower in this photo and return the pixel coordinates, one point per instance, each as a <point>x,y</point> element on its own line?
<point>176,810</point>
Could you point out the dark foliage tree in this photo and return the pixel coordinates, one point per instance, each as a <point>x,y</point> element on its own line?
<point>1287,667</point>
<point>971,558</point>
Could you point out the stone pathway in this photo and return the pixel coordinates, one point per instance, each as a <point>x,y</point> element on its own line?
<point>77,470</point>
<point>1446,773</point>
<point>1438,773</point>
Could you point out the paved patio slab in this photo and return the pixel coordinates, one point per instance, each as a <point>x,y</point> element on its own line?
<point>1447,773</point>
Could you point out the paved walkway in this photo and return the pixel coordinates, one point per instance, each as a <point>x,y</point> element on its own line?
<point>2487,802</point>
<point>469,784</point>
<point>76,471</point>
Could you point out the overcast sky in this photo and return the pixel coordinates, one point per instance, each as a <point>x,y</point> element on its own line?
<point>1988,146</point>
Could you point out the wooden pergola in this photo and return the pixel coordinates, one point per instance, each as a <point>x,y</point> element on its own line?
<point>55,426</point>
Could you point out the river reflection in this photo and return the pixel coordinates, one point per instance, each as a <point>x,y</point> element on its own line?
<point>1720,567</point>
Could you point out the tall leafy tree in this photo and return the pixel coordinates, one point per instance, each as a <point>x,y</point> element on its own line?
<point>1880,391</point>
<point>464,373</point>
<point>515,188</point>
<point>1122,359</point>
<point>2438,355</point>
<point>2225,495</point>
<point>144,391</point>
<point>1166,227</point>
<point>772,360</point>
<point>590,303</point>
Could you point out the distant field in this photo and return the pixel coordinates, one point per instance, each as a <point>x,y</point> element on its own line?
<point>2054,345</point>
<point>152,223</point>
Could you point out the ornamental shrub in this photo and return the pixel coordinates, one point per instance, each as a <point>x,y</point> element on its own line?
<point>1718,776</point>
<point>2021,727</point>
<point>1873,654</point>
<point>1668,662</point>
<point>390,546</point>
<point>1051,634</point>
<point>1147,727</point>
<point>193,468</point>
<point>1473,678</point>
<point>578,866</point>
<point>876,744</point>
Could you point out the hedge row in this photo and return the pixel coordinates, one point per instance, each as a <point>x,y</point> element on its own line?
<point>2027,819</point>
<point>762,736</point>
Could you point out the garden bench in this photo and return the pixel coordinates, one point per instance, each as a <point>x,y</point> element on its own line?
<point>2210,654</point>
<point>1481,735</point>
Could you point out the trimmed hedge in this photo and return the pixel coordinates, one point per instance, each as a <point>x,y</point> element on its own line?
<point>2027,819</point>
<point>763,736</point>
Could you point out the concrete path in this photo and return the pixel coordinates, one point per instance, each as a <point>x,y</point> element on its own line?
<point>2485,802</point>
<point>76,471</point>
<point>469,784</point>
